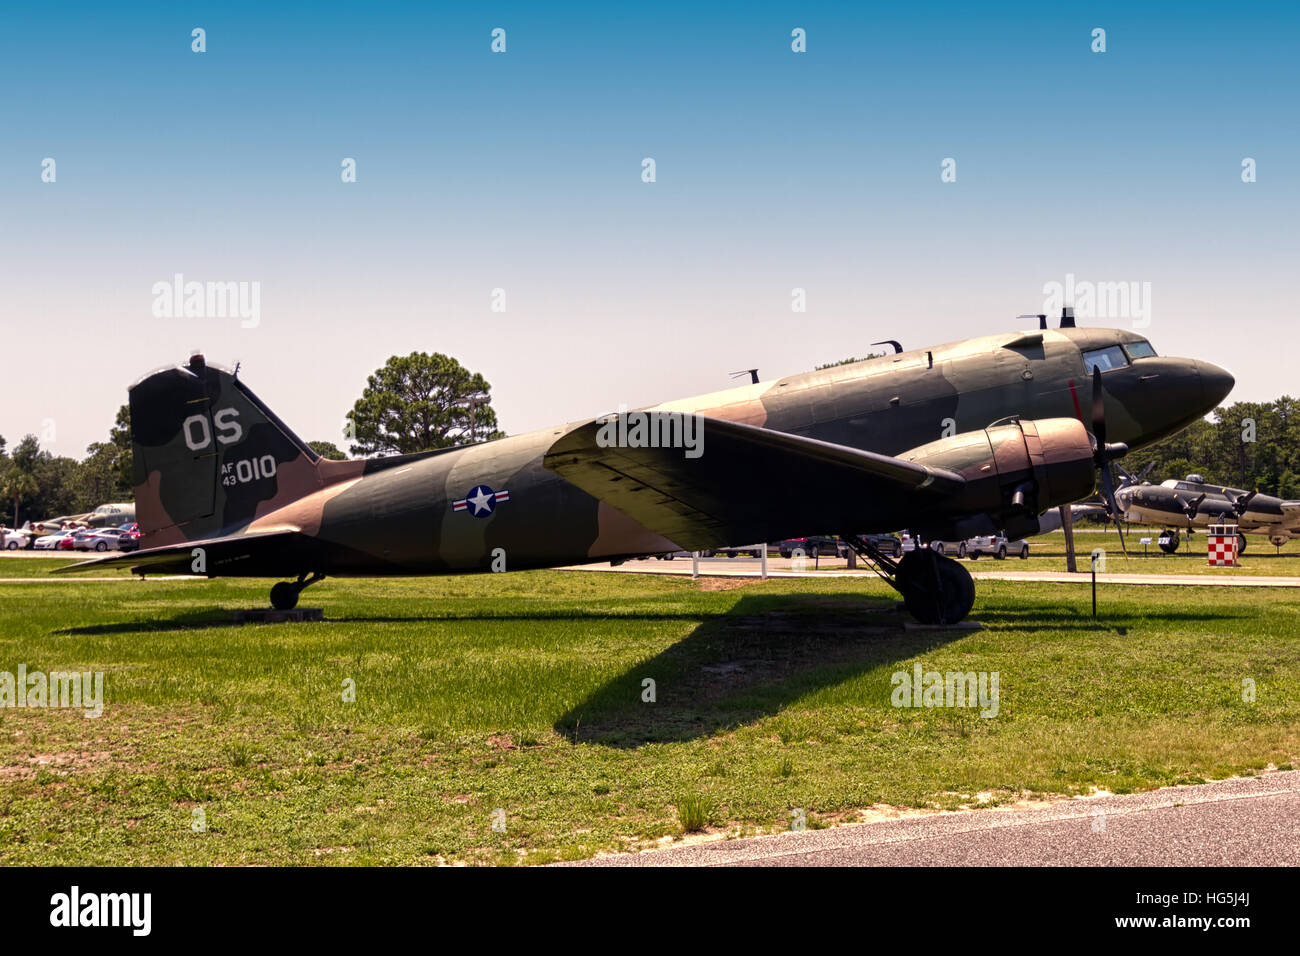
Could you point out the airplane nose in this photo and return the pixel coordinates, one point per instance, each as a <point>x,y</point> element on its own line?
<point>1216,383</point>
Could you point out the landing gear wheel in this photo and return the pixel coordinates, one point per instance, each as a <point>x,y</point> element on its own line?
<point>284,596</point>
<point>1169,541</point>
<point>935,589</point>
<point>1241,543</point>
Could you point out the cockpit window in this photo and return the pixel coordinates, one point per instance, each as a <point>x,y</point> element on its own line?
<point>1137,350</point>
<point>1104,359</point>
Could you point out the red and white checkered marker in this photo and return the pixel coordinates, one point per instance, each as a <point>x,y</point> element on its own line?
<point>1222,552</point>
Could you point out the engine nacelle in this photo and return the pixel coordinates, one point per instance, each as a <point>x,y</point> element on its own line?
<point>1013,471</point>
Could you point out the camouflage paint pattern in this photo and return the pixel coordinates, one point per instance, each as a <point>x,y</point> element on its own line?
<point>211,460</point>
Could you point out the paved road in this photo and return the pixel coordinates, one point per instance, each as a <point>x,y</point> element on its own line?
<point>1253,821</point>
<point>780,568</point>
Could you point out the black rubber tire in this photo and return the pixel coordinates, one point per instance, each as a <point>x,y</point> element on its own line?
<point>974,555</point>
<point>284,596</point>
<point>936,590</point>
<point>1241,543</point>
<point>101,545</point>
<point>961,550</point>
<point>1172,546</point>
<point>1024,552</point>
<point>938,549</point>
<point>12,546</point>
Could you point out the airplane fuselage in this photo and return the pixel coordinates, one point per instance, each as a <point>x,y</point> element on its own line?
<point>495,506</point>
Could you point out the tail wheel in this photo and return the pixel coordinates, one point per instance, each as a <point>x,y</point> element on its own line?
<point>936,590</point>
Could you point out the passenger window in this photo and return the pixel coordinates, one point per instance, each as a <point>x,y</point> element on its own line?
<point>1104,359</point>
<point>1137,350</point>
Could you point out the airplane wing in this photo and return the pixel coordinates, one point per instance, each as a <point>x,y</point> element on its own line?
<point>273,549</point>
<point>748,484</point>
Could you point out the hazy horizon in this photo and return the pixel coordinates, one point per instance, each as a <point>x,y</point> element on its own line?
<point>522,171</point>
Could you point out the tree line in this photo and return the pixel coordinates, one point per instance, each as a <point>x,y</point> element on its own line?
<point>1249,445</point>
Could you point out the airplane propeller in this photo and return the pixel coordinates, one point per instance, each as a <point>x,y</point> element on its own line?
<point>1192,509</point>
<point>1105,453</point>
<point>1242,502</point>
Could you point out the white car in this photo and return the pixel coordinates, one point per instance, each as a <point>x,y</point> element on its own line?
<point>997,546</point>
<point>953,548</point>
<point>50,542</point>
<point>12,540</point>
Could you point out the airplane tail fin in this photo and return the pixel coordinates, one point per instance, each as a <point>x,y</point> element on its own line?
<point>209,456</point>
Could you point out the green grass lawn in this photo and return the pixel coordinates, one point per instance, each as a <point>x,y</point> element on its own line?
<point>523,693</point>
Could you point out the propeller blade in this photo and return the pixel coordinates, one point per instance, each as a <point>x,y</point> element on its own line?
<point>1105,453</point>
<point>1146,471</point>
<point>1108,495</point>
<point>1243,502</point>
<point>1098,408</point>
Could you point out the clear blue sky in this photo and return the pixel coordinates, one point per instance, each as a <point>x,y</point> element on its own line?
<point>522,171</point>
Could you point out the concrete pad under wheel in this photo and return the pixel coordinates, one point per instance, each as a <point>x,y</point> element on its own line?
<point>959,626</point>
<point>269,615</point>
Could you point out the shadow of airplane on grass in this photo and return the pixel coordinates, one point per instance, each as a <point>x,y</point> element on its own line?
<point>750,663</point>
<point>225,617</point>
<point>764,655</point>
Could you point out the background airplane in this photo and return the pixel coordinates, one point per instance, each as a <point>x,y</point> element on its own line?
<point>961,439</point>
<point>1192,502</point>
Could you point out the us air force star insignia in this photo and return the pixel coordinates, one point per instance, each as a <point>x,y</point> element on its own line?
<point>481,501</point>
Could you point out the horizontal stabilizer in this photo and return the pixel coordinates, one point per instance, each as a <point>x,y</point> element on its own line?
<point>272,553</point>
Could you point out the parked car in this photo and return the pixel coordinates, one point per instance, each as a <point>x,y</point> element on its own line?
<point>954,548</point>
<point>888,544</point>
<point>12,540</point>
<point>813,546</point>
<point>54,542</point>
<point>996,545</point>
<point>98,539</point>
<point>130,541</point>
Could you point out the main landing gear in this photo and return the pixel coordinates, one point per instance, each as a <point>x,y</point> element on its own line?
<point>284,596</point>
<point>935,589</point>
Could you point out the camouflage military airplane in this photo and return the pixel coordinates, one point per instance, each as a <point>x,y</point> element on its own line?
<point>960,439</point>
<point>1192,502</point>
